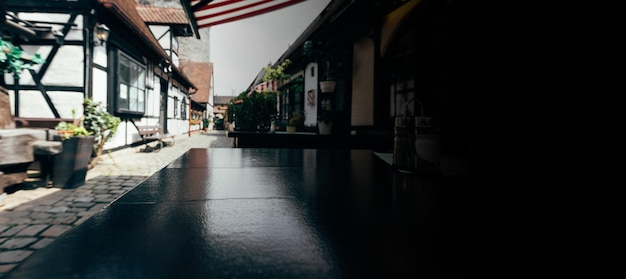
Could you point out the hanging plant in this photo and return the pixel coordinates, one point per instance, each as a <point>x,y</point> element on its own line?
<point>14,60</point>
<point>277,72</point>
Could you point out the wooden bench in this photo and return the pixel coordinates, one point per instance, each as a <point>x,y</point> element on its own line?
<point>154,133</point>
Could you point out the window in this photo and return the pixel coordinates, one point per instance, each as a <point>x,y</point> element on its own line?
<point>175,107</point>
<point>183,109</point>
<point>131,85</point>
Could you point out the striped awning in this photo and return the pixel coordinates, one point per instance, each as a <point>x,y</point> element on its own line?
<point>209,13</point>
<point>268,86</point>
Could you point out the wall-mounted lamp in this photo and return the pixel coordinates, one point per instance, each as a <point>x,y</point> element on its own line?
<point>167,68</point>
<point>101,34</point>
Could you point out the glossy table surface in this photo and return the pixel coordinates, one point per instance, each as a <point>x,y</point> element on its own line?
<point>264,213</point>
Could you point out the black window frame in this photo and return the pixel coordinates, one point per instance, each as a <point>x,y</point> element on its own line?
<point>183,109</point>
<point>124,107</point>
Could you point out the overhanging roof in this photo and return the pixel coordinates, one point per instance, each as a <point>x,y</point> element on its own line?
<point>126,11</point>
<point>157,15</point>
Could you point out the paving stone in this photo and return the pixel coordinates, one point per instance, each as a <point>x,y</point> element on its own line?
<point>42,243</point>
<point>41,208</point>
<point>82,220</point>
<point>15,256</point>
<point>83,191</point>
<point>12,231</point>
<point>32,230</point>
<point>58,209</point>
<point>4,268</point>
<point>117,192</point>
<point>107,200</point>
<point>98,207</point>
<point>17,243</point>
<point>18,213</point>
<point>86,213</point>
<point>22,220</point>
<point>40,221</point>
<point>64,220</point>
<point>40,215</point>
<point>49,201</point>
<point>78,209</point>
<point>114,181</point>
<point>64,214</point>
<point>55,230</point>
<point>83,199</point>
<point>82,204</point>
<point>2,239</point>
<point>24,207</point>
<point>62,203</point>
<point>102,191</point>
<point>3,228</point>
<point>103,196</point>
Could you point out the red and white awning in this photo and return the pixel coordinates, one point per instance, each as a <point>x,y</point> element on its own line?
<point>210,13</point>
<point>268,86</point>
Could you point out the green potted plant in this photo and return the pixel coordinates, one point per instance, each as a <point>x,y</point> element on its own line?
<point>101,124</point>
<point>205,125</point>
<point>296,119</point>
<point>68,130</point>
<point>71,165</point>
<point>325,117</point>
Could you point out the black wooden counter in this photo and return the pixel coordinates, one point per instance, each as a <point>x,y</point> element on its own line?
<point>269,213</point>
<point>245,139</point>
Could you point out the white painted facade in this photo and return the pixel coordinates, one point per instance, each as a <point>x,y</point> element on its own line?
<point>310,87</point>
<point>69,70</point>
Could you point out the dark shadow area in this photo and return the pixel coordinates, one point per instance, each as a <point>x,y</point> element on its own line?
<point>272,213</point>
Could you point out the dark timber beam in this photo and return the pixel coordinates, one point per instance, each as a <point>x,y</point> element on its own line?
<point>56,47</point>
<point>44,93</point>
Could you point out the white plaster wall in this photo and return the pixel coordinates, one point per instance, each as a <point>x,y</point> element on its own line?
<point>33,104</point>
<point>99,83</point>
<point>153,102</point>
<point>170,107</point>
<point>65,102</point>
<point>121,137</point>
<point>363,83</point>
<point>100,55</point>
<point>66,68</point>
<point>75,33</point>
<point>310,83</point>
<point>175,124</point>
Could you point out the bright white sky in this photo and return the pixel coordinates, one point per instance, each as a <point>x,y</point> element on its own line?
<point>240,49</point>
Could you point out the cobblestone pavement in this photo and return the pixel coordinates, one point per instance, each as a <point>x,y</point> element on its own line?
<point>33,217</point>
